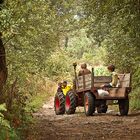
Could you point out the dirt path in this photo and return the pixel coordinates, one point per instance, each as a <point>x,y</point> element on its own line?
<point>79,127</point>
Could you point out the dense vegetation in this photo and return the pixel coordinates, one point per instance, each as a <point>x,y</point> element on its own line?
<point>43,38</point>
<point>114,25</point>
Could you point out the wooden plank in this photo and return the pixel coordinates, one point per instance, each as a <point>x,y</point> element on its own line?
<point>88,82</point>
<point>80,78</point>
<point>83,90</point>
<point>121,76</point>
<point>111,98</point>
<point>102,79</point>
<point>88,77</point>
<point>125,80</point>
<point>88,85</point>
<point>125,84</point>
<point>79,85</point>
<point>84,82</point>
<point>125,76</point>
<point>99,84</point>
<point>115,93</point>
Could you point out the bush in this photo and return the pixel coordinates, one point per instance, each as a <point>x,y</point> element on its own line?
<point>101,71</point>
<point>59,66</point>
<point>135,99</point>
<point>6,131</point>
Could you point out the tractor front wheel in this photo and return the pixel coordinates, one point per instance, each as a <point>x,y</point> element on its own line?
<point>89,104</point>
<point>70,103</point>
<point>59,103</point>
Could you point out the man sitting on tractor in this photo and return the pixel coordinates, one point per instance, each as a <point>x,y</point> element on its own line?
<point>65,87</point>
<point>84,70</point>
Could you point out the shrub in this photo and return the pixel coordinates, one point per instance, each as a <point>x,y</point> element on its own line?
<point>135,99</point>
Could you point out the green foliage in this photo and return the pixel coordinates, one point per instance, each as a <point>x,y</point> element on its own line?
<point>3,122</point>
<point>114,25</point>
<point>6,131</point>
<point>135,99</point>
<point>8,134</point>
<point>136,76</point>
<point>43,38</point>
<point>36,101</point>
<point>78,44</point>
<point>83,49</point>
<point>96,57</point>
<point>32,30</point>
<point>3,107</point>
<point>59,65</point>
<point>101,71</point>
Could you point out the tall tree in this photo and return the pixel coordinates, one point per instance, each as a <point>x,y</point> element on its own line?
<point>3,68</point>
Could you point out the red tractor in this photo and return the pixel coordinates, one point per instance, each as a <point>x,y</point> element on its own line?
<point>85,93</point>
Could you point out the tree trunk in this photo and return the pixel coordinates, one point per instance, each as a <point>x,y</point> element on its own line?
<point>3,68</point>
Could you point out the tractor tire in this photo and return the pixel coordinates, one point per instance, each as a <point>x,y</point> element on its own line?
<point>70,103</point>
<point>102,109</point>
<point>59,103</point>
<point>89,104</point>
<point>123,107</point>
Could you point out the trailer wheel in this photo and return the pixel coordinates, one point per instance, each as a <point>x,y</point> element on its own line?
<point>70,103</point>
<point>123,107</point>
<point>89,104</point>
<point>102,109</point>
<point>59,103</point>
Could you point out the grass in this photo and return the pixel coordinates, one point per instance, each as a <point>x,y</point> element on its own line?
<point>37,101</point>
<point>45,90</point>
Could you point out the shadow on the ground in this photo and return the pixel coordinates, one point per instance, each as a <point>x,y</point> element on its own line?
<point>131,114</point>
<point>134,114</point>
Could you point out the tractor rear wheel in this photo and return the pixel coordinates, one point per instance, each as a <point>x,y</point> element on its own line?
<point>89,104</point>
<point>70,103</point>
<point>59,103</point>
<point>123,107</point>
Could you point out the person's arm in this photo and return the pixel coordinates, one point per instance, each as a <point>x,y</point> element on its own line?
<point>80,72</point>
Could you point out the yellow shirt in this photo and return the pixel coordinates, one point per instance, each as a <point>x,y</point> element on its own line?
<point>66,89</point>
<point>114,79</point>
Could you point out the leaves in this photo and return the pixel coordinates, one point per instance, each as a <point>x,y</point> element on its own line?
<point>115,26</point>
<point>43,38</point>
<point>3,107</point>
